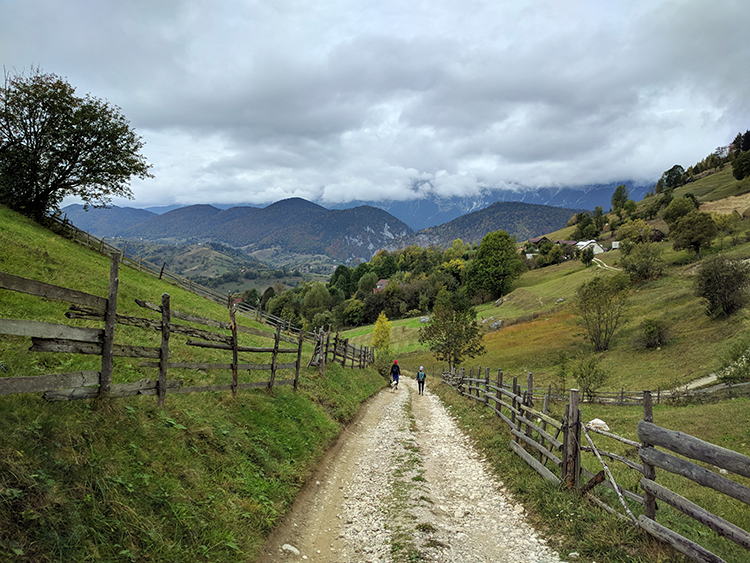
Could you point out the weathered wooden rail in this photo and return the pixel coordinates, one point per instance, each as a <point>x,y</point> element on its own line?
<point>59,338</point>
<point>553,448</point>
<point>67,229</point>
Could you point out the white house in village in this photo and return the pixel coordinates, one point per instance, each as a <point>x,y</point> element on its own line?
<point>598,248</point>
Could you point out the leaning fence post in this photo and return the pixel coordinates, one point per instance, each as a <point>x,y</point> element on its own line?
<point>299,359</point>
<point>110,316</point>
<point>235,360</point>
<point>572,442</point>
<point>498,393</point>
<point>161,385</point>
<point>514,403</point>
<point>649,472</point>
<point>486,386</point>
<point>529,402</point>
<point>274,355</point>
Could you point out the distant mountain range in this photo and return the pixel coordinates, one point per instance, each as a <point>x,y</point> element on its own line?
<point>293,225</point>
<point>299,227</point>
<point>432,210</point>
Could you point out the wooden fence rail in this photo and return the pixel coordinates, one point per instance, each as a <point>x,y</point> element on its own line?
<point>537,439</point>
<point>67,229</point>
<point>51,337</point>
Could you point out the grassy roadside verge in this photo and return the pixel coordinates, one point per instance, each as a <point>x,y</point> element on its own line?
<point>204,479</point>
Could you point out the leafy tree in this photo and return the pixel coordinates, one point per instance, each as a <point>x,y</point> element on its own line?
<point>644,262</point>
<point>726,225</point>
<point>368,282</point>
<point>741,166</point>
<point>588,374</point>
<point>621,195</point>
<point>654,334</point>
<point>55,144</point>
<point>722,283</point>
<point>601,306</point>
<point>353,313</point>
<point>634,232</point>
<point>268,294</point>
<point>251,297</point>
<point>599,218</point>
<point>452,332</point>
<point>496,266</point>
<point>342,279</point>
<point>317,300</point>
<point>587,256</point>
<point>694,231</point>
<point>678,208</point>
<point>586,228</point>
<point>381,334</point>
<point>630,207</point>
<point>673,178</point>
<point>381,341</point>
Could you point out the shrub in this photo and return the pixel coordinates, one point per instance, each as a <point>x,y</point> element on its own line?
<point>653,334</point>
<point>643,262</point>
<point>736,368</point>
<point>722,284</point>
<point>383,360</point>
<point>588,374</point>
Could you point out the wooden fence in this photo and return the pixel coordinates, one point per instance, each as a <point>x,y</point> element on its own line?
<point>553,448</point>
<point>50,337</point>
<point>65,228</point>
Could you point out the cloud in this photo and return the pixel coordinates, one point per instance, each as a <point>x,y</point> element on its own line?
<point>250,102</point>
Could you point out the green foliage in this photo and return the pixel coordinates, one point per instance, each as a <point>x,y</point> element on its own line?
<point>495,267</point>
<point>621,195</point>
<point>736,368</point>
<point>654,334</point>
<point>452,332</point>
<point>55,144</point>
<point>644,261</point>
<point>601,306</point>
<point>587,256</point>
<point>693,231</point>
<point>674,177</point>
<point>586,227</point>
<point>741,166</point>
<point>588,373</point>
<point>722,284</point>
<point>678,208</point>
<point>636,231</point>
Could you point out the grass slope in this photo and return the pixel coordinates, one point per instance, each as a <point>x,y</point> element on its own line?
<point>203,479</point>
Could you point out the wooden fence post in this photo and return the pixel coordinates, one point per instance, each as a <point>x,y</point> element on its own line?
<point>328,341</point>
<point>235,344</point>
<point>299,359</point>
<point>486,386</point>
<point>572,442</point>
<point>545,410</point>
<point>649,472</point>
<point>346,348</point>
<point>513,402</point>
<point>323,354</point>
<point>498,394</point>
<point>274,355</point>
<point>529,399</point>
<point>161,385</point>
<point>105,376</point>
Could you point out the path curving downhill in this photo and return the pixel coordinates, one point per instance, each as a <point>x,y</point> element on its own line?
<point>405,484</point>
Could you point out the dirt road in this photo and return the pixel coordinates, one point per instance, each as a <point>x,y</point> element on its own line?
<point>405,484</point>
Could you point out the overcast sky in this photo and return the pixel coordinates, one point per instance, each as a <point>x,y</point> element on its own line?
<point>332,100</point>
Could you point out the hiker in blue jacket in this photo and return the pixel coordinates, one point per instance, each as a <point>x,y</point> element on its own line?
<point>420,379</point>
<point>395,373</point>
